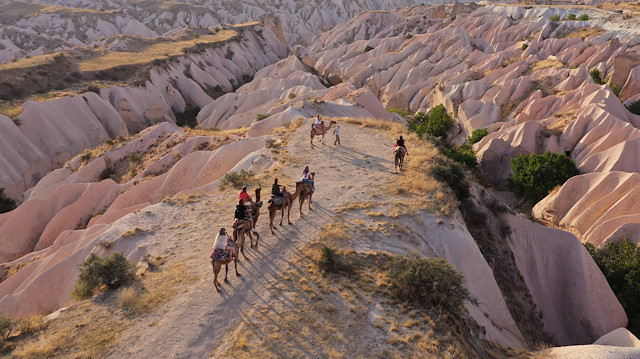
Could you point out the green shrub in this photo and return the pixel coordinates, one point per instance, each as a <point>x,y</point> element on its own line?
<point>329,261</point>
<point>477,135</point>
<point>595,75</point>
<point>634,108</point>
<point>616,88</point>
<point>437,123</point>
<point>571,17</point>
<point>107,172</point>
<point>6,326</point>
<point>6,204</point>
<point>236,179</point>
<point>554,18</point>
<point>432,280</point>
<point>452,174</point>
<point>620,264</point>
<point>465,155</point>
<point>95,273</point>
<point>188,117</point>
<point>583,17</point>
<point>262,116</point>
<point>408,36</point>
<point>367,49</point>
<point>535,175</point>
<point>524,47</point>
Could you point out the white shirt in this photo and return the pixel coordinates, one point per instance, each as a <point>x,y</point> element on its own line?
<point>337,130</point>
<point>317,121</point>
<point>221,241</point>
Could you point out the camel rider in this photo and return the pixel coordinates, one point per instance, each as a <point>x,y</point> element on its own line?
<point>275,189</point>
<point>244,195</point>
<point>222,244</point>
<point>243,213</point>
<point>400,144</point>
<point>306,178</point>
<point>318,121</point>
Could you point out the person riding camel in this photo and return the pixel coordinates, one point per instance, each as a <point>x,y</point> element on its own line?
<point>243,213</point>
<point>400,145</point>
<point>317,123</point>
<point>275,189</point>
<point>306,178</point>
<point>244,195</point>
<point>222,244</point>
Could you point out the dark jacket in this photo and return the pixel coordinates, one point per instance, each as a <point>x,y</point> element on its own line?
<point>241,211</point>
<point>400,143</point>
<point>275,190</point>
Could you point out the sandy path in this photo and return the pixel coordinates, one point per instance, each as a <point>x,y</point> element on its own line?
<point>195,321</point>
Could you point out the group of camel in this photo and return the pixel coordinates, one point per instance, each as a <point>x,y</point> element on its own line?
<point>243,227</point>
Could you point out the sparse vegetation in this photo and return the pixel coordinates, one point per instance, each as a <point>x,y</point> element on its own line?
<point>262,116</point>
<point>437,123</point>
<point>367,49</point>
<point>616,88</point>
<point>399,111</point>
<point>452,174</point>
<point>328,261</point>
<point>524,46</point>
<point>97,273</point>
<point>188,117</point>
<point>432,280</point>
<point>620,264</point>
<point>583,17</point>
<point>535,175</point>
<point>554,17</point>
<point>6,204</point>
<point>236,179</point>
<point>571,17</point>
<point>107,172</point>
<point>408,36</point>
<point>477,135</point>
<point>634,108</point>
<point>595,75</point>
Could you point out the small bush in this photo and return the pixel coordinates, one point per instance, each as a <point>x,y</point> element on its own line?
<point>262,116</point>
<point>524,47</point>
<point>271,143</point>
<point>135,157</point>
<point>437,123</point>
<point>408,36</point>
<point>399,111</point>
<point>236,179</point>
<point>329,261</point>
<point>595,75</point>
<point>93,88</point>
<point>367,49</point>
<point>452,174</point>
<point>583,17</point>
<point>554,18</point>
<point>95,273</point>
<point>107,172</point>
<point>464,155</point>
<point>477,135</point>
<point>616,88</point>
<point>188,117</point>
<point>620,264</point>
<point>217,29</point>
<point>6,204</point>
<point>634,108</point>
<point>6,326</point>
<point>535,175</point>
<point>571,17</point>
<point>432,280</point>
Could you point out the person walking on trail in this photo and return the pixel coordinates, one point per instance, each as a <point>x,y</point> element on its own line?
<point>222,244</point>
<point>336,131</point>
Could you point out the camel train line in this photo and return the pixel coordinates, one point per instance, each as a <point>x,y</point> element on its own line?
<point>243,228</point>
<point>280,201</point>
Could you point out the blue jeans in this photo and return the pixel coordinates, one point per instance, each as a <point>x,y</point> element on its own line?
<point>313,186</point>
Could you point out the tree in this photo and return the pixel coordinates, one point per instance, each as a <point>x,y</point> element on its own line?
<point>535,175</point>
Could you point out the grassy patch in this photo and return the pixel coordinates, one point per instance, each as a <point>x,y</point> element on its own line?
<point>236,179</point>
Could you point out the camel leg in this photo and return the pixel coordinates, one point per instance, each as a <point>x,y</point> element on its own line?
<point>257,239</point>
<point>282,216</point>
<point>288,214</point>
<point>242,250</point>
<point>310,200</point>
<point>301,203</point>
<point>236,265</point>
<point>226,272</point>
<point>216,269</point>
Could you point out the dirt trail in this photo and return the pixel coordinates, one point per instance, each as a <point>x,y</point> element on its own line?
<point>195,321</point>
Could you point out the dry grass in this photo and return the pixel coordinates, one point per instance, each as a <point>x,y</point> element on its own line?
<point>582,32</point>
<point>348,207</point>
<point>544,64</point>
<point>152,52</point>
<point>334,234</point>
<point>135,232</point>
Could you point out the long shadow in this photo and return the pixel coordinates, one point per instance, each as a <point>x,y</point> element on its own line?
<point>376,163</point>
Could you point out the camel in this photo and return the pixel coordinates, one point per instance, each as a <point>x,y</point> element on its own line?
<point>321,132</point>
<point>217,265</point>
<point>286,204</point>
<point>306,192</point>
<point>399,159</point>
<point>244,227</point>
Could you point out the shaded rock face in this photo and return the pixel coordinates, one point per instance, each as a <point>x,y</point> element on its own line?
<point>52,132</point>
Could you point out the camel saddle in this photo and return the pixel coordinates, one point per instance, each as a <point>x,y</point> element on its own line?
<point>400,148</point>
<point>278,200</point>
<point>241,222</point>
<point>320,129</point>
<point>222,254</point>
